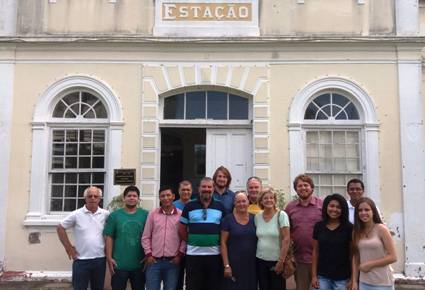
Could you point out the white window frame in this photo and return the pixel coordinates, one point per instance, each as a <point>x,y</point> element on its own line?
<point>368,123</point>
<point>38,211</point>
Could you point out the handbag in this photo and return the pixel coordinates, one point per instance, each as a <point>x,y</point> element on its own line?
<point>289,265</point>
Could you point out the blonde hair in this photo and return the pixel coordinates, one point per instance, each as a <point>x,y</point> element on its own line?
<point>265,191</point>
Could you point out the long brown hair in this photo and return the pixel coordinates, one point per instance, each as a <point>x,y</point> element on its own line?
<point>359,226</point>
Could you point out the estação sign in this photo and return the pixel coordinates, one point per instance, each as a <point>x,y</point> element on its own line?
<point>206,11</point>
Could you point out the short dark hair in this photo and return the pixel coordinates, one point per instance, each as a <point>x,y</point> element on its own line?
<point>226,172</point>
<point>184,183</point>
<point>355,180</point>
<point>164,188</point>
<point>131,188</point>
<point>255,178</point>
<point>304,178</point>
<point>343,219</point>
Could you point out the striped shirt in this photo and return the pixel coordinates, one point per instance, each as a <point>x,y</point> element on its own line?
<point>203,227</point>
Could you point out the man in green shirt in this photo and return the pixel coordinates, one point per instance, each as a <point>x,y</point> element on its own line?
<point>124,253</point>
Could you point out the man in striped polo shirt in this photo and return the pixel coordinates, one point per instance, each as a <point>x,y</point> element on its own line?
<point>200,227</point>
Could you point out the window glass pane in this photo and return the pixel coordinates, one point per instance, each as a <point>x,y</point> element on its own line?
<point>238,108</point>
<point>340,164</point>
<point>352,137</point>
<point>339,137</point>
<point>57,190</point>
<point>72,98</point>
<point>71,178</point>
<point>84,178</point>
<point>81,202</point>
<point>339,150</point>
<point>81,189</point>
<point>59,110</point>
<point>71,162</point>
<point>87,112</point>
<point>70,114</point>
<point>57,162</point>
<point>70,205</point>
<point>313,164</point>
<point>84,162</point>
<point>98,149</point>
<point>352,151</point>
<point>312,150</point>
<point>85,149</point>
<point>325,180</point>
<point>58,149</point>
<point>323,100</point>
<point>98,162</point>
<point>57,178</point>
<point>312,137</point>
<point>321,116</point>
<point>195,105</point>
<point>310,112</point>
<point>326,111</point>
<point>353,164</point>
<point>352,112</point>
<point>325,164</point>
<point>56,204</point>
<point>217,105</point>
<point>339,100</point>
<point>325,137</point>
<point>100,110</point>
<point>98,135</point>
<point>325,150</point>
<point>174,107</point>
<point>71,135</point>
<point>71,149</point>
<point>70,190</point>
<point>88,98</point>
<point>98,177</point>
<point>75,109</point>
<point>85,135</point>
<point>58,136</point>
<point>340,180</point>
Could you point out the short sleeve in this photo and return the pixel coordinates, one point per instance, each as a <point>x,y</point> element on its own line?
<point>316,231</point>
<point>225,224</point>
<point>69,221</point>
<point>283,219</point>
<point>109,229</point>
<point>184,218</point>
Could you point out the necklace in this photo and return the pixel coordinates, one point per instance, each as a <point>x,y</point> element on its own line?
<point>367,233</point>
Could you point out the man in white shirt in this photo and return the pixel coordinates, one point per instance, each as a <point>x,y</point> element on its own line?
<point>88,253</point>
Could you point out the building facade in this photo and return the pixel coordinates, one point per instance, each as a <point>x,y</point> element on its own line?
<point>174,89</point>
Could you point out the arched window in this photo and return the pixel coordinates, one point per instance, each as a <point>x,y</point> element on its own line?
<point>214,105</point>
<point>333,135</point>
<point>333,154</point>
<point>76,142</point>
<point>77,153</point>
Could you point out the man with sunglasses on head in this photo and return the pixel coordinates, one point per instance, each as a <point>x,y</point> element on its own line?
<point>200,227</point>
<point>88,252</point>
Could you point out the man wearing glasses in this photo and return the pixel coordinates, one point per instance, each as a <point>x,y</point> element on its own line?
<point>88,254</point>
<point>200,227</point>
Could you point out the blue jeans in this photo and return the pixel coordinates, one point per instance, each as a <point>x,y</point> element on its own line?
<point>88,270</point>
<point>329,284</point>
<point>162,270</point>
<point>364,286</point>
<point>120,278</point>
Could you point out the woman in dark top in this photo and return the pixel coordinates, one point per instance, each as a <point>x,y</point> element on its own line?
<point>331,267</point>
<point>238,247</point>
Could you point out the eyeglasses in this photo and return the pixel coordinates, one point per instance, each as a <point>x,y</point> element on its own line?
<point>93,196</point>
<point>204,214</point>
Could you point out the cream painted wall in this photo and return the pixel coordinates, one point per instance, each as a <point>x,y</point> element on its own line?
<point>291,68</point>
<point>125,82</point>
<point>127,17</point>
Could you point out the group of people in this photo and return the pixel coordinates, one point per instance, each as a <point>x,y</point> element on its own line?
<point>217,239</point>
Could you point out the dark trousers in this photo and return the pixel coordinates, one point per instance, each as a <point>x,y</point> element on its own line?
<point>180,281</point>
<point>120,278</point>
<point>88,270</point>
<point>267,277</point>
<point>204,272</point>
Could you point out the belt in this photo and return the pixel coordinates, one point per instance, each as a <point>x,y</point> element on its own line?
<point>164,258</point>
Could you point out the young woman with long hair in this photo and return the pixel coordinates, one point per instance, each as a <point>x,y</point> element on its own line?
<point>373,249</point>
<point>331,262</point>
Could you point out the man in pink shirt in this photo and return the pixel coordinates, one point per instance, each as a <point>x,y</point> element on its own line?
<point>303,213</point>
<point>162,244</point>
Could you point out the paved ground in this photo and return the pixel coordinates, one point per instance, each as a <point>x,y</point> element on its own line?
<point>67,286</point>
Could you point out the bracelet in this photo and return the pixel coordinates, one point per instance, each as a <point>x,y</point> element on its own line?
<point>226,266</point>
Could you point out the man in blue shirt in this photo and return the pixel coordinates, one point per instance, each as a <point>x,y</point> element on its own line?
<point>222,193</point>
<point>185,192</point>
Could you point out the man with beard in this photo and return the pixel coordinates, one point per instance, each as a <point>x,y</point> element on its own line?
<point>124,254</point>
<point>303,213</point>
<point>254,187</point>
<point>222,179</point>
<point>200,227</point>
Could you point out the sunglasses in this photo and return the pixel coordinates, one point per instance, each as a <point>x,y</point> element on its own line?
<point>204,214</point>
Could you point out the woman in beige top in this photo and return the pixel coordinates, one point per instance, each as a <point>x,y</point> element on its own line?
<point>373,249</point>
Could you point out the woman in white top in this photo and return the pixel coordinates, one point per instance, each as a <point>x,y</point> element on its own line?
<point>273,241</point>
<point>373,249</point>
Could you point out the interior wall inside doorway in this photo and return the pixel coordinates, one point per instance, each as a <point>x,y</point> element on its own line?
<point>182,156</point>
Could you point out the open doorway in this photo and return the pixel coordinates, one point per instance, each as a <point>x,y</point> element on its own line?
<point>182,156</point>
